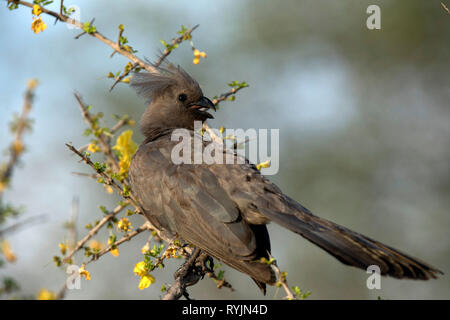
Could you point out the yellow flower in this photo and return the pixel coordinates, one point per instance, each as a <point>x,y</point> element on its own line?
<point>146,281</point>
<point>17,147</point>
<point>145,248</point>
<point>45,294</point>
<point>109,189</point>
<point>32,83</point>
<point>264,164</point>
<point>83,272</point>
<point>93,147</point>
<point>171,253</point>
<point>7,252</point>
<point>126,147</point>
<point>38,25</point>
<point>115,252</point>
<point>197,55</point>
<point>37,10</point>
<point>63,248</point>
<point>140,268</point>
<point>124,224</point>
<point>95,245</point>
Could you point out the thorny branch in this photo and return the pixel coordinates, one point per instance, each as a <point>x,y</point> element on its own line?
<point>102,137</point>
<point>94,230</point>
<point>17,147</point>
<point>72,239</point>
<point>146,226</point>
<point>175,41</point>
<point>18,225</point>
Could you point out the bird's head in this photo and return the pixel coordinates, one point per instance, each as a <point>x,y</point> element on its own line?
<point>175,99</point>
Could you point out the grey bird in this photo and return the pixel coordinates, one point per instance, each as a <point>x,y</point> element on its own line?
<point>223,209</point>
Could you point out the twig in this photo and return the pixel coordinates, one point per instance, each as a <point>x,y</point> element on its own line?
<point>445,7</point>
<point>282,280</point>
<point>129,236</point>
<point>94,230</point>
<point>175,41</point>
<point>123,75</point>
<point>119,125</point>
<point>18,225</point>
<point>102,138</point>
<point>89,175</point>
<point>72,226</point>
<point>16,148</point>
<point>225,95</point>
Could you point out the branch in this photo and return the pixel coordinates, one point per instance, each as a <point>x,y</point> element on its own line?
<point>94,230</point>
<point>282,280</point>
<point>17,147</point>
<point>129,236</point>
<point>18,225</point>
<point>102,138</point>
<point>175,41</point>
<point>95,34</point>
<point>225,95</point>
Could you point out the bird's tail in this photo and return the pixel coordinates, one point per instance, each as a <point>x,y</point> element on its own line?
<point>350,247</point>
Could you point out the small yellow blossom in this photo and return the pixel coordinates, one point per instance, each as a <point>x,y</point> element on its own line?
<point>45,294</point>
<point>37,10</point>
<point>109,189</point>
<point>115,252</point>
<point>124,224</point>
<point>32,83</point>
<point>145,248</point>
<point>140,268</point>
<point>146,281</point>
<point>126,80</point>
<point>197,55</point>
<point>7,252</point>
<point>63,248</point>
<point>83,272</point>
<point>96,245</point>
<point>17,147</point>
<point>171,253</point>
<point>127,147</point>
<point>38,25</point>
<point>93,147</point>
<point>264,164</point>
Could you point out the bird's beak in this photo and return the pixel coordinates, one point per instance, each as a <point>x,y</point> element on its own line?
<point>202,104</point>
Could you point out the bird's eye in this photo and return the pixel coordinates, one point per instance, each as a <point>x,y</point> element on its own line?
<point>182,97</point>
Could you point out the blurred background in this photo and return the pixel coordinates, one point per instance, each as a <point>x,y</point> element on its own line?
<point>363,116</point>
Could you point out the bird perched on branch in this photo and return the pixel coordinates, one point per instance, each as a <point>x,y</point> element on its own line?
<point>223,209</point>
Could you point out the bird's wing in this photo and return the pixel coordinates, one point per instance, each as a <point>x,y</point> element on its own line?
<point>189,200</point>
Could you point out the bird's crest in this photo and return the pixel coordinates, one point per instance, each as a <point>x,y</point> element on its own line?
<point>151,85</point>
